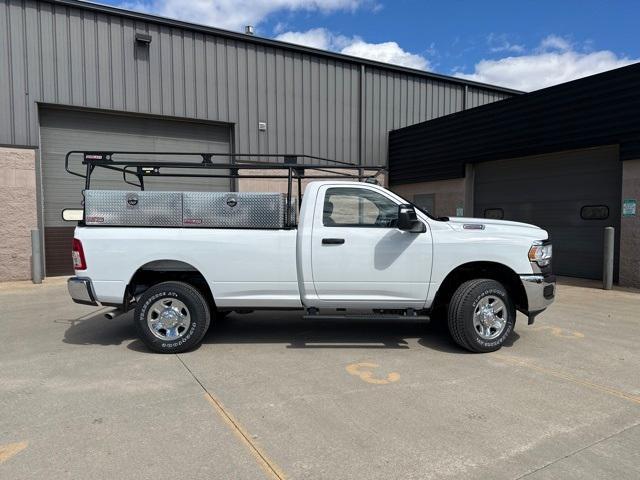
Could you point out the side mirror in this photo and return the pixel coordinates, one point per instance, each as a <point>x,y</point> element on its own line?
<point>408,220</point>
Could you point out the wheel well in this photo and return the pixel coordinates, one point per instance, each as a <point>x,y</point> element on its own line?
<point>473,270</point>
<point>160,271</point>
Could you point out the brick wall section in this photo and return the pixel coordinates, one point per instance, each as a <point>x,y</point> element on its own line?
<point>630,227</point>
<point>448,194</point>
<point>19,217</point>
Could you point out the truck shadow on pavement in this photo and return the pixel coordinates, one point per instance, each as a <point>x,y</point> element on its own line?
<point>288,329</point>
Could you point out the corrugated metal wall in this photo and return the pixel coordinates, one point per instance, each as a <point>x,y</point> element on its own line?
<point>58,54</point>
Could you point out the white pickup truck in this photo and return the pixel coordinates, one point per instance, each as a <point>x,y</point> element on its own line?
<point>356,249</point>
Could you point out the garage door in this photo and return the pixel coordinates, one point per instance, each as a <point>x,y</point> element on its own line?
<point>573,195</point>
<point>65,130</point>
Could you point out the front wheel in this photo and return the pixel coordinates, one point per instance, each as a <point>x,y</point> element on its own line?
<point>172,317</point>
<point>481,315</point>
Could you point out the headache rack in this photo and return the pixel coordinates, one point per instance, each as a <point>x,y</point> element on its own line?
<point>204,209</point>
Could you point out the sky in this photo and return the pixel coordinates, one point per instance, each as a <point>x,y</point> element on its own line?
<point>520,44</point>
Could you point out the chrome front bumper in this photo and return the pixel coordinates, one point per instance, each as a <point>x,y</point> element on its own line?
<point>541,292</point>
<point>81,291</point>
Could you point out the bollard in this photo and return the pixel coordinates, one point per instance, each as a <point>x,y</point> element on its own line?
<point>36,257</point>
<point>607,262</point>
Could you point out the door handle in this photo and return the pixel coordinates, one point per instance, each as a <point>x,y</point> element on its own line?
<point>332,241</point>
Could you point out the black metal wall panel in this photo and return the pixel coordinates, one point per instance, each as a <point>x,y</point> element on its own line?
<point>597,110</point>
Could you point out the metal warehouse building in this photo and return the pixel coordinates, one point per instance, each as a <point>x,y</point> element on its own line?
<point>566,158</point>
<point>75,75</point>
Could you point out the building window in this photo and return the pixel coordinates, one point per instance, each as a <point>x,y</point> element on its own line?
<point>594,212</point>
<point>495,213</point>
<point>358,207</point>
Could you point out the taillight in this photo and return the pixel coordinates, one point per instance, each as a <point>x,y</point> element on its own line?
<point>77,253</point>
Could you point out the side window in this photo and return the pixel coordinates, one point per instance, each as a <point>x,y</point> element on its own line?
<point>358,207</point>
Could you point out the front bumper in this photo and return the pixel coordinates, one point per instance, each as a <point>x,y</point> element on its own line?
<point>540,291</point>
<point>81,291</point>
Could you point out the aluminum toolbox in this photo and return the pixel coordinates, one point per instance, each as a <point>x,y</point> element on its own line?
<point>187,209</point>
<point>120,208</point>
<point>234,209</point>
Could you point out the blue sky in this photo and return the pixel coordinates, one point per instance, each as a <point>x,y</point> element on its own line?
<point>526,44</point>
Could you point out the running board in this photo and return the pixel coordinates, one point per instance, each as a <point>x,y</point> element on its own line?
<point>365,317</point>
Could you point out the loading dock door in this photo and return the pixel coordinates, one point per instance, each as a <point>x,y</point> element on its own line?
<point>64,130</point>
<point>573,195</point>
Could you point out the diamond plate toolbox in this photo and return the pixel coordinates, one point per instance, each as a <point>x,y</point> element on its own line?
<point>235,209</point>
<point>187,209</point>
<point>120,208</point>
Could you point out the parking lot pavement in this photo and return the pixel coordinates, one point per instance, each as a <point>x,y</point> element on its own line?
<point>270,395</point>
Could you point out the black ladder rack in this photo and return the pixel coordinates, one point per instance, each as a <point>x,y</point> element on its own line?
<point>297,167</point>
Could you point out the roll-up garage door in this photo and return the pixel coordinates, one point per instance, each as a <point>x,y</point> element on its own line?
<point>573,195</point>
<point>64,130</point>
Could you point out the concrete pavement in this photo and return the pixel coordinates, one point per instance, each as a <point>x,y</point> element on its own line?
<point>270,395</point>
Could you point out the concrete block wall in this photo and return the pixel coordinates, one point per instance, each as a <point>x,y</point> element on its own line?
<point>19,214</point>
<point>630,227</point>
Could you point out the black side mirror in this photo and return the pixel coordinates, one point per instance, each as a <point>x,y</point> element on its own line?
<point>408,220</point>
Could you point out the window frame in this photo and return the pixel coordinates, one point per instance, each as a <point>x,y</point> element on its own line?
<point>582,217</point>
<point>355,225</point>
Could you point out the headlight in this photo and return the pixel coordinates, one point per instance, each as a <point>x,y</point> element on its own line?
<point>541,253</point>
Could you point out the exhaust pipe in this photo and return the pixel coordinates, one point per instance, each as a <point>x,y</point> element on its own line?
<point>112,314</point>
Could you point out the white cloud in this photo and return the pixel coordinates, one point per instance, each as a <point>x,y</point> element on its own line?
<point>500,43</point>
<point>235,14</point>
<point>388,52</point>
<point>555,61</point>
<point>315,38</point>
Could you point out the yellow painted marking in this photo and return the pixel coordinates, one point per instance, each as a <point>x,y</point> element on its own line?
<point>367,375</point>
<point>270,468</point>
<point>558,332</point>
<point>9,450</point>
<point>564,376</point>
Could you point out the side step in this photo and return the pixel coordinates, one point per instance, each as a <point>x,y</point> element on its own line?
<point>373,316</point>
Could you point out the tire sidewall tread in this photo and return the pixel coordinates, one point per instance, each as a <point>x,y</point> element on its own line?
<point>198,309</point>
<point>460,314</point>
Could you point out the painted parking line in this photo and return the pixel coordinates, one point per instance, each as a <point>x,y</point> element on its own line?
<point>570,378</point>
<point>11,449</point>
<point>363,370</point>
<point>558,331</point>
<point>269,466</point>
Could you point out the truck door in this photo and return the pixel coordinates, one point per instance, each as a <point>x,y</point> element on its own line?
<point>360,257</point>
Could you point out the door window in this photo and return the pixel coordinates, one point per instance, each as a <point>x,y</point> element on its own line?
<point>358,207</point>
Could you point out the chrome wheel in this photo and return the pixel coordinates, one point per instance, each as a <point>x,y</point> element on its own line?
<point>168,319</point>
<point>490,317</point>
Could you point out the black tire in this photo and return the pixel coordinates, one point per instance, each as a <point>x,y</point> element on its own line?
<point>168,293</point>
<point>469,299</point>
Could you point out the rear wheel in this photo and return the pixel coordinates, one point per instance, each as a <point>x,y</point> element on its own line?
<point>172,317</point>
<point>481,315</point>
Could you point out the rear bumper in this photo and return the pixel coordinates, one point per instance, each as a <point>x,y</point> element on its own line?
<point>81,291</point>
<point>541,292</point>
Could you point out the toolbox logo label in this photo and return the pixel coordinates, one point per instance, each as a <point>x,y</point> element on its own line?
<point>232,201</point>
<point>132,200</point>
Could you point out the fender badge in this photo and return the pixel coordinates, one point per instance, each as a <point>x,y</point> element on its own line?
<point>473,226</point>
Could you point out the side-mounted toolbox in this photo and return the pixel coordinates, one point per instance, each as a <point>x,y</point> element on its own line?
<point>187,209</point>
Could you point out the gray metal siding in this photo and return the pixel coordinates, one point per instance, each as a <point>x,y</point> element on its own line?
<point>549,191</point>
<point>58,54</point>
<point>65,130</point>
